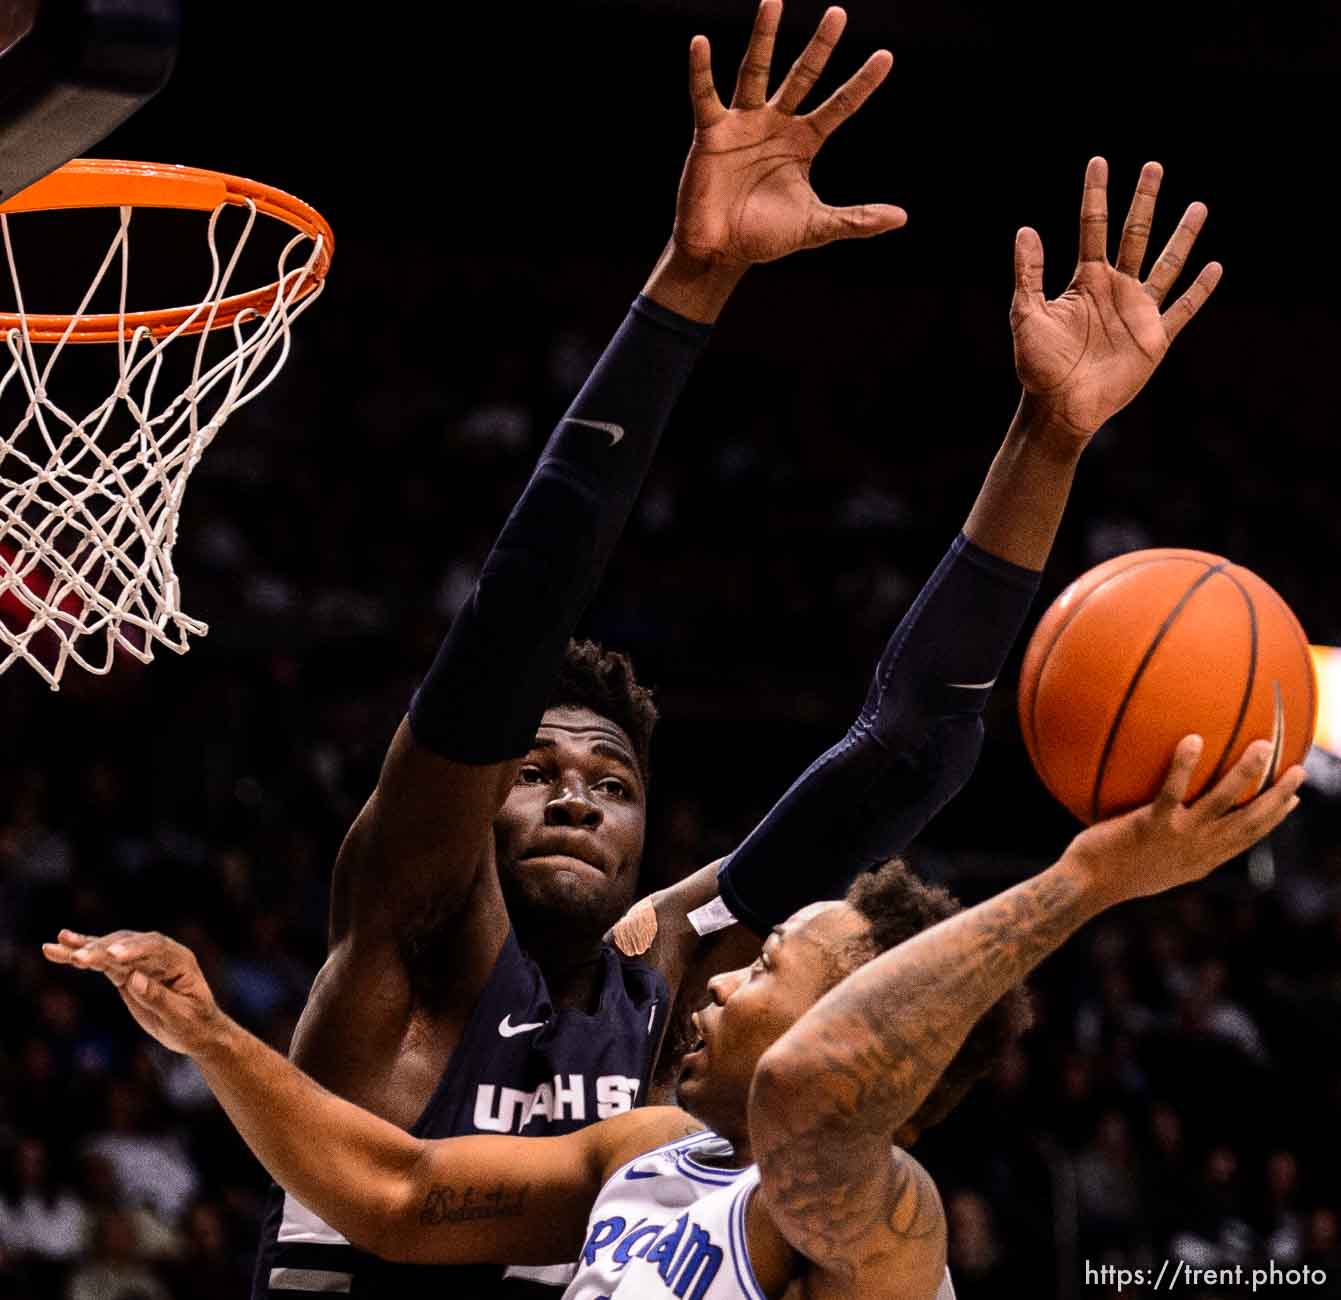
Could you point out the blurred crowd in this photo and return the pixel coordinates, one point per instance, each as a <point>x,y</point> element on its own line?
<point>1178,1096</point>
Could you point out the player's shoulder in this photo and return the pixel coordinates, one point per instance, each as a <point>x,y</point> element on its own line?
<point>636,1132</point>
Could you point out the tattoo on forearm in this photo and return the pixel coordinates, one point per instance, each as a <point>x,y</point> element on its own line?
<point>445,1204</point>
<point>881,1040</point>
<point>876,1046</point>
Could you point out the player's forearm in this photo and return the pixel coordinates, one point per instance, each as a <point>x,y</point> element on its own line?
<point>863,1059</point>
<point>911,749</point>
<point>350,1167</point>
<point>1023,498</point>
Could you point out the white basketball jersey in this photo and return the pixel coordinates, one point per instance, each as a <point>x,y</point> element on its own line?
<point>669,1225</point>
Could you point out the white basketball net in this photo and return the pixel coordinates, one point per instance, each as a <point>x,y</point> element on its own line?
<point>89,503</point>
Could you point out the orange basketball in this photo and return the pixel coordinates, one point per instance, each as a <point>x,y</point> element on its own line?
<point>1150,647</point>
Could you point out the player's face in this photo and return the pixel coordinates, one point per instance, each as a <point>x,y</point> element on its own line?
<point>752,1008</point>
<point>570,833</point>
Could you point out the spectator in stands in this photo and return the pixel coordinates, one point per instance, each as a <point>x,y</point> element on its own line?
<point>44,1225</point>
<point>116,1271</point>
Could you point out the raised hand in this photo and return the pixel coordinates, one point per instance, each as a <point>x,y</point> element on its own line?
<point>745,193</point>
<point>159,981</point>
<point>1169,843</point>
<point>1083,356</point>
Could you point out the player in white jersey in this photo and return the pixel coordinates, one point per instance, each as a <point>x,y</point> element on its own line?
<point>815,1071</point>
<point>676,1219</point>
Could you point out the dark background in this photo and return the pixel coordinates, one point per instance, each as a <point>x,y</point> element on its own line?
<point>500,180</point>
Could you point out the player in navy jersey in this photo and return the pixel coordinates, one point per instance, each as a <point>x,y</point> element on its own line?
<point>471,985</point>
<point>816,1070</point>
<point>467,988</point>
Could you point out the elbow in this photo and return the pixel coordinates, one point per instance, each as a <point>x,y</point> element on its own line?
<point>778,1088</point>
<point>384,1220</point>
<point>384,1228</point>
<point>913,778</point>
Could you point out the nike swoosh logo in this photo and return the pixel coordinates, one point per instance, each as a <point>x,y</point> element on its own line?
<point>616,431</point>
<point>972,686</point>
<point>640,1173</point>
<point>509,1030</point>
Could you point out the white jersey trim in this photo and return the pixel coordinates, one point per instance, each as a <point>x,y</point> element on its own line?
<point>301,1224</point>
<point>545,1274</point>
<point>309,1280</point>
<point>740,1242</point>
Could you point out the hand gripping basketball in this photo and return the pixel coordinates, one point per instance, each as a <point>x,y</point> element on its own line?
<point>1169,843</point>
<point>159,981</point>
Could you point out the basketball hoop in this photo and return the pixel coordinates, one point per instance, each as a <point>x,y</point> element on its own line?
<point>89,503</point>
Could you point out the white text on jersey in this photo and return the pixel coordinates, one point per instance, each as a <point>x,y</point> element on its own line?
<point>510,1110</point>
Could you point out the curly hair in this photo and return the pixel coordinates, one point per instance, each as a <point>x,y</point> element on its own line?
<point>603,681</point>
<point>896,906</point>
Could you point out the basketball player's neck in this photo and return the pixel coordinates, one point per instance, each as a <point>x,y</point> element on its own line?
<point>570,961</point>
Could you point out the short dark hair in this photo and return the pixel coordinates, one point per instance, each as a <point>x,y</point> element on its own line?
<point>603,681</point>
<point>897,905</point>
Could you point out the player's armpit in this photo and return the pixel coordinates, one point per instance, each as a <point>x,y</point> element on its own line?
<point>869,1228</point>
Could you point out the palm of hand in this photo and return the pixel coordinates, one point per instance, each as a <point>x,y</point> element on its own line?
<point>1143,852</point>
<point>1085,355</point>
<point>1091,351</point>
<point>745,195</point>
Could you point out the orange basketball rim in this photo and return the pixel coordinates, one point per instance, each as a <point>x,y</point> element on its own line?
<point>116,183</point>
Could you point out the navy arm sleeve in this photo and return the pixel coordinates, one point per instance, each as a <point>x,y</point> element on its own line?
<point>484,696</point>
<point>911,749</point>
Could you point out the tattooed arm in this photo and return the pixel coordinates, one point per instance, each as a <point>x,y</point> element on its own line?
<point>466,1200</point>
<point>834,1091</point>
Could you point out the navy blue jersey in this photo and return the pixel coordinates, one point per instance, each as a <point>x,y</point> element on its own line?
<point>521,1067</point>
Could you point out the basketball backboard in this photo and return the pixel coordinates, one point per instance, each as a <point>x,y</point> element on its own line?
<point>71,71</point>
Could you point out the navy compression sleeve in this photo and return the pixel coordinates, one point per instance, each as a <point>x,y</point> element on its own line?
<point>911,749</point>
<point>484,696</point>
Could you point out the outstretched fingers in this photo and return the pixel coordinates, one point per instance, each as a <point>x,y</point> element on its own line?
<point>117,954</point>
<point>702,91</point>
<point>1094,213</point>
<point>74,949</point>
<point>1175,254</point>
<point>86,957</point>
<point>1191,302</point>
<point>752,79</point>
<point>851,95</point>
<point>805,72</point>
<point>1136,228</point>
